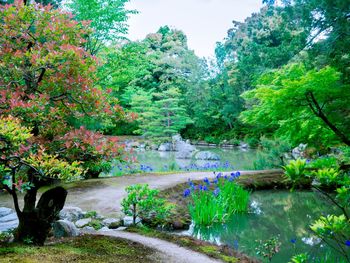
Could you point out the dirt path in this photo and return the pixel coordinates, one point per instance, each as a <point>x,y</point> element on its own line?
<point>105,195</point>
<point>172,252</point>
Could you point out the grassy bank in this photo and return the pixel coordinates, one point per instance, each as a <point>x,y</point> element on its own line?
<point>89,249</point>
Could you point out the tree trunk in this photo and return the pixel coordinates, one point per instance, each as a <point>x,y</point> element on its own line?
<point>35,222</point>
<point>317,110</point>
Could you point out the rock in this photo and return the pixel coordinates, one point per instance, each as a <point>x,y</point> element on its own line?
<point>244,145</point>
<point>122,228</point>
<point>83,222</point>
<point>165,147</point>
<point>71,213</point>
<point>298,152</point>
<point>104,229</point>
<point>207,155</point>
<point>177,225</point>
<point>89,229</point>
<point>184,155</point>
<point>127,221</point>
<point>4,211</point>
<point>188,141</point>
<point>111,223</point>
<point>176,138</point>
<point>65,228</point>
<point>8,219</point>
<point>154,147</point>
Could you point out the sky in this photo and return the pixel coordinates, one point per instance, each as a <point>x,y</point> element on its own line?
<point>204,21</point>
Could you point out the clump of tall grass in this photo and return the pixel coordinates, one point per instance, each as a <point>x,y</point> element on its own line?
<point>214,202</point>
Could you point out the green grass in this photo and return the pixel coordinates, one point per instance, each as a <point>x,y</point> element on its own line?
<point>94,249</point>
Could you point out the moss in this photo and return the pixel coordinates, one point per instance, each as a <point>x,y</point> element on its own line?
<point>96,224</point>
<point>81,249</point>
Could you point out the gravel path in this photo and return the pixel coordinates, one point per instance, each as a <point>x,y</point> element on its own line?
<point>105,195</point>
<point>171,253</point>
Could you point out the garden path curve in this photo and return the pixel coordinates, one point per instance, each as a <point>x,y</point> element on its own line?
<point>171,253</point>
<point>104,195</point>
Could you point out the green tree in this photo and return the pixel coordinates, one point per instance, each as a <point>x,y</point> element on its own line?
<point>108,19</point>
<point>301,105</point>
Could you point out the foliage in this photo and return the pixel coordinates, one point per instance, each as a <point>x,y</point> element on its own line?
<point>300,258</point>
<point>295,170</point>
<point>108,19</point>
<point>334,230</point>
<point>323,162</point>
<point>46,80</point>
<point>143,202</point>
<point>268,248</point>
<point>227,198</point>
<point>289,100</point>
<point>273,153</point>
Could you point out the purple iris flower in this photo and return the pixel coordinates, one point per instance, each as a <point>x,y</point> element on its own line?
<point>187,192</point>
<point>206,180</point>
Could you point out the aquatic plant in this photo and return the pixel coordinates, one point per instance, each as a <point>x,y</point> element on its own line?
<point>217,200</point>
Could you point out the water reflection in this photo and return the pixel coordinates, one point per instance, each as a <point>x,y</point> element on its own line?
<point>237,159</point>
<point>283,214</point>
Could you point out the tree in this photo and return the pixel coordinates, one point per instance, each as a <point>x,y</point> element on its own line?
<point>160,114</point>
<point>108,19</point>
<point>46,79</point>
<point>301,105</point>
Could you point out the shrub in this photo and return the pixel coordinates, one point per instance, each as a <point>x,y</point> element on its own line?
<point>144,202</point>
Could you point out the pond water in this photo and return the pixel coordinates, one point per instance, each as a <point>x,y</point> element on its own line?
<point>277,213</point>
<point>230,159</point>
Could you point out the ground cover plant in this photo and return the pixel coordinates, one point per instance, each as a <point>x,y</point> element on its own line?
<point>83,249</point>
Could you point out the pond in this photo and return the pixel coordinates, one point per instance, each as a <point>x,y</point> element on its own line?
<point>279,214</point>
<point>155,161</point>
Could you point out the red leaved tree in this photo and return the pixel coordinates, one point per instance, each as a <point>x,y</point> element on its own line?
<point>46,81</point>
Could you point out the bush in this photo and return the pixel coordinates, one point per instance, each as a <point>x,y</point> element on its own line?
<point>216,201</point>
<point>144,202</point>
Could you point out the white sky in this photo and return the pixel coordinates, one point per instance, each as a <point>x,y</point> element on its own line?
<point>204,21</point>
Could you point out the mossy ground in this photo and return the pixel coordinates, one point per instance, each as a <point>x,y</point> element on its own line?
<point>223,253</point>
<point>87,248</point>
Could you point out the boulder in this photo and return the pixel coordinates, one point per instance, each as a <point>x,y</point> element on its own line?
<point>111,223</point>
<point>127,221</point>
<point>298,152</point>
<point>8,222</point>
<point>83,222</point>
<point>71,213</point>
<point>4,211</point>
<point>207,155</point>
<point>65,228</point>
<point>8,219</point>
<point>165,147</point>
